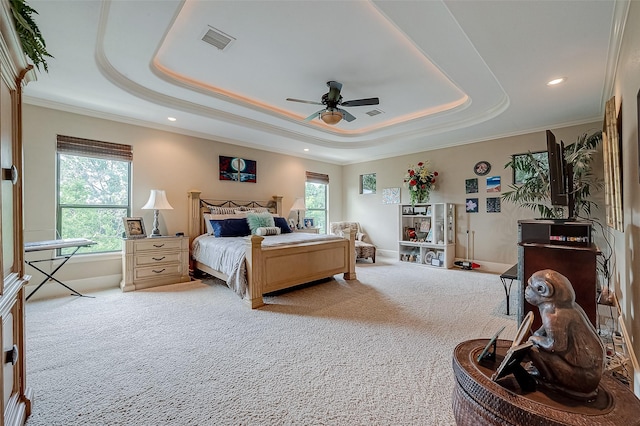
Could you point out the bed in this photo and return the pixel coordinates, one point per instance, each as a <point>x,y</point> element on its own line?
<point>256,265</point>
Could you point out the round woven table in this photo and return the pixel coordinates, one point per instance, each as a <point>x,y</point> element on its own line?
<point>477,400</point>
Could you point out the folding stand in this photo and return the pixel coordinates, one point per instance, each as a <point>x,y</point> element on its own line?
<point>510,274</point>
<point>76,243</point>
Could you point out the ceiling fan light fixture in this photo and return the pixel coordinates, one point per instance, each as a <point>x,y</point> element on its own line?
<point>331,117</point>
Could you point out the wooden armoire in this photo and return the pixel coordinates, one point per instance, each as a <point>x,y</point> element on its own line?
<point>15,72</point>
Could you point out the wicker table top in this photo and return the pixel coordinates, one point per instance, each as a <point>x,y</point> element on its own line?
<point>477,400</point>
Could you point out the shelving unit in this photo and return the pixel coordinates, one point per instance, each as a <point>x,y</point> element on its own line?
<point>427,234</point>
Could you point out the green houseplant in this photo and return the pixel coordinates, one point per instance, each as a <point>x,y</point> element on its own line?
<point>534,191</point>
<point>31,39</point>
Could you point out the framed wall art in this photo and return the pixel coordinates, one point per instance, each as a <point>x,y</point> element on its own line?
<point>482,168</point>
<point>493,205</point>
<point>471,186</point>
<point>237,169</point>
<point>368,183</point>
<point>471,205</point>
<point>519,175</point>
<point>391,196</point>
<point>493,184</point>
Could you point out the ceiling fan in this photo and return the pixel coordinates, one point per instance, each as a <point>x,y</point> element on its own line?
<point>331,100</point>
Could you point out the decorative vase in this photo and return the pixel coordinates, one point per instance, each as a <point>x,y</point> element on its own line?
<point>419,196</point>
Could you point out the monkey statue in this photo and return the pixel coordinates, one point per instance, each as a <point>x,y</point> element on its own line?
<point>566,351</point>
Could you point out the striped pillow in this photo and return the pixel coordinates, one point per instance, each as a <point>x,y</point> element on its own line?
<point>268,230</point>
<point>222,210</point>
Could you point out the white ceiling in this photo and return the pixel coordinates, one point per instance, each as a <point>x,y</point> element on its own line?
<point>446,72</point>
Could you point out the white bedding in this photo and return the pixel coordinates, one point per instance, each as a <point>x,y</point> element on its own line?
<point>227,254</point>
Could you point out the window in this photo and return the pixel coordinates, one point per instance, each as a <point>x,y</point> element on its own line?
<point>315,198</point>
<point>94,181</point>
<point>368,183</point>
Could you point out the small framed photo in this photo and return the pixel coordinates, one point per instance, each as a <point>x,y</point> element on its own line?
<point>134,227</point>
<point>407,209</point>
<point>308,222</point>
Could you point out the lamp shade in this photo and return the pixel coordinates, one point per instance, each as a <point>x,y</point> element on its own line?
<point>157,201</point>
<point>298,204</point>
<point>331,116</point>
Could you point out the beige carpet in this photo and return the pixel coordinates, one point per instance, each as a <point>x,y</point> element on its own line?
<point>376,351</point>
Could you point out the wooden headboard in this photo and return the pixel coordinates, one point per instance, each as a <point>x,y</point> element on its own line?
<point>198,206</point>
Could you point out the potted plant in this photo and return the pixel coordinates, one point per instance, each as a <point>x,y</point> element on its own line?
<point>534,192</point>
<point>31,39</point>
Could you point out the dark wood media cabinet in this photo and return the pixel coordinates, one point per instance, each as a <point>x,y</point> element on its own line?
<point>564,246</point>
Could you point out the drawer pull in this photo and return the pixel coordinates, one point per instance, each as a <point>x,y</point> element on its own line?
<point>160,271</point>
<point>158,258</point>
<point>11,355</point>
<point>158,245</point>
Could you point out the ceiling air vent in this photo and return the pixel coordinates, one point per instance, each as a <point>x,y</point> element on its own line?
<point>374,112</point>
<point>217,38</point>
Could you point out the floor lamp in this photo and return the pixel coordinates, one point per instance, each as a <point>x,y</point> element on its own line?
<point>157,201</point>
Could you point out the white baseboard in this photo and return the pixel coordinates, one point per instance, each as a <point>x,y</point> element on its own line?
<point>632,355</point>
<point>52,289</point>
<point>489,267</point>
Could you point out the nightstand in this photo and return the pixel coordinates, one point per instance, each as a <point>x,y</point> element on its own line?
<point>308,230</point>
<point>152,262</point>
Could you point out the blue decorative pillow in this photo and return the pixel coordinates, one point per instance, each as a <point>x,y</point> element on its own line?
<point>281,223</point>
<point>260,220</point>
<point>230,228</point>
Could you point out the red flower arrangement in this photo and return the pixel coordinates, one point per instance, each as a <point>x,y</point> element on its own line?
<point>420,181</point>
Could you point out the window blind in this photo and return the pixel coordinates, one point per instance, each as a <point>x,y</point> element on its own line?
<point>317,178</point>
<point>96,149</point>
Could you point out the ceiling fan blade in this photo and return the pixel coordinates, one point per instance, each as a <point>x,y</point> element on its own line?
<point>346,116</point>
<point>334,91</point>
<point>314,115</point>
<point>334,85</point>
<point>361,102</point>
<point>304,102</point>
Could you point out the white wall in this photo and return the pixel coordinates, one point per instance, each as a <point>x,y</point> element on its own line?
<point>492,236</point>
<point>162,160</point>
<point>627,244</point>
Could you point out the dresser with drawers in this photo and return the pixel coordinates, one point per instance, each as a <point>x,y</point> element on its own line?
<point>152,262</point>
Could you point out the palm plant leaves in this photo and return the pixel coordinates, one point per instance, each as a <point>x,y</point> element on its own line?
<point>33,44</point>
<point>534,193</point>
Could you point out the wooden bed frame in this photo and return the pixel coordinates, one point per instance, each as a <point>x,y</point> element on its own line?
<point>276,268</point>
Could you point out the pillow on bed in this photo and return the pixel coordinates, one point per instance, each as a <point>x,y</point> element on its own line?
<point>270,230</point>
<point>222,210</point>
<point>281,223</point>
<point>230,228</point>
<point>207,223</point>
<point>259,220</point>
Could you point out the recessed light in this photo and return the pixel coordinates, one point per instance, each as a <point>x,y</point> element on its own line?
<point>306,150</point>
<point>171,118</point>
<point>556,81</point>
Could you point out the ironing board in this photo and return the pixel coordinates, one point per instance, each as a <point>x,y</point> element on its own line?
<point>75,243</point>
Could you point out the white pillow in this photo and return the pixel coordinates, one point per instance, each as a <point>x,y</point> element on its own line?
<point>268,230</point>
<point>207,222</point>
